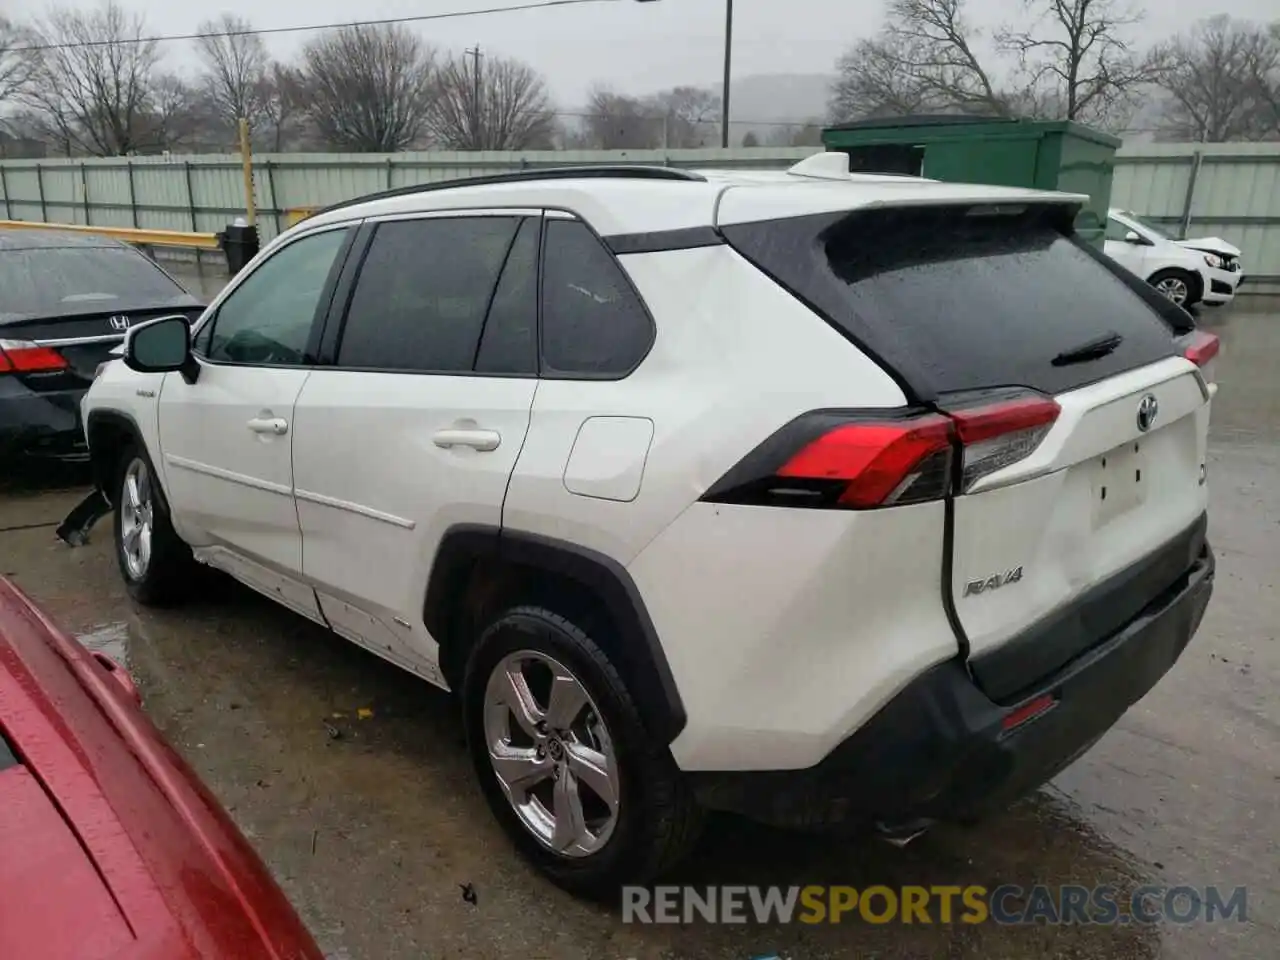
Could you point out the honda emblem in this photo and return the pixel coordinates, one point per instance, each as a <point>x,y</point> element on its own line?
<point>120,323</point>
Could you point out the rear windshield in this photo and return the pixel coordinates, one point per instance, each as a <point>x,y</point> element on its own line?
<point>63,281</point>
<point>954,299</point>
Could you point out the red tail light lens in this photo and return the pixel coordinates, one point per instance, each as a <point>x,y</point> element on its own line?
<point>880,464</point>
<point>22,356</point>
<point>865,460</point>
<point>1202,347</point>
<point>844,460</point>
<point>997,435</point>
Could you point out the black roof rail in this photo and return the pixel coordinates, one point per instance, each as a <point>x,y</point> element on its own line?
<point>596,171</point>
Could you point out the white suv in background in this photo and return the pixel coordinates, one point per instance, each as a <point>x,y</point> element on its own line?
<point>1202,270</point>
<point>817,497</point>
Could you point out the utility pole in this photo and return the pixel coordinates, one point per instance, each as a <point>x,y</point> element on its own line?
<point>477,138</point>
<point>728,71</point>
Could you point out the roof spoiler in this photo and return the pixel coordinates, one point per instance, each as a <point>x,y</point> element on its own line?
<point>834,165</point>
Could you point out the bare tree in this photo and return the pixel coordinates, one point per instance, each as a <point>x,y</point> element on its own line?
<point>90,85</point>
<point>236,65</point>
<point>1073,62</point>
<point>938,44</point>
<point>1265,83</point>
<point>16,61</point>
<point>490,103</point>
<point>281,104</point>
<point>690,116</point>
<point>882,77</point>
<point>1216,77</point>
<point>369,89</point>
<point>1077,55</point>
<point>172,115</point>
<point>618,122</point>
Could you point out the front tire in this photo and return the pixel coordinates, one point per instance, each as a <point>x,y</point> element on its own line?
<point>156,565</point>
<point>564,760</point>
<point>1181,287</point>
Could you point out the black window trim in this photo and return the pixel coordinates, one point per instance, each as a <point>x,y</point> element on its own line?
<point>561,213</point>
<point>311,353</point>
<point>329,340</point>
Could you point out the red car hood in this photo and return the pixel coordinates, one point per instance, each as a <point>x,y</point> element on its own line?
<point>110,847</point>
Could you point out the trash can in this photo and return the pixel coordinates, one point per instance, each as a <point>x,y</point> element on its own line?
<point>1039,154</point>
<point>239,243</point>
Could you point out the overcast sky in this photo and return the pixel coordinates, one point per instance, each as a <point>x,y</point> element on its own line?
<point>629,46</point>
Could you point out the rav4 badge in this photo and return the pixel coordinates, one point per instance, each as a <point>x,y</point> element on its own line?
<point>993,582</point>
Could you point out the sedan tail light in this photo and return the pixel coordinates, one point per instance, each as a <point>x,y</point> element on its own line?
<point>24,356</point>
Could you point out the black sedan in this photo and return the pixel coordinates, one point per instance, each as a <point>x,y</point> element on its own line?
<point>66,300</point>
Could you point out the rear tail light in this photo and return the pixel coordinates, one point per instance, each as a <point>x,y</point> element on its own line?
<point>862,461</point>
<point>999,434</point>
<point>876,464</point>
<point>1201,347</point>
<point>23,356</point>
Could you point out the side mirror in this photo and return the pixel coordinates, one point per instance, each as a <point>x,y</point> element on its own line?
<point>1135,238</point>
<point>161,346</point>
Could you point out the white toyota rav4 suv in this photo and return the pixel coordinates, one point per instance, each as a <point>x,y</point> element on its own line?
<point>822,498</point>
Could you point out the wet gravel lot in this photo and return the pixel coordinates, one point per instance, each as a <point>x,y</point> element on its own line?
<point>350,776</point>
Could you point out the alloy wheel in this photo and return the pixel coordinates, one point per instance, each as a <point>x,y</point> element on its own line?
<point>551,753</point>
<point>1175,288</point>
<point>136,519</point>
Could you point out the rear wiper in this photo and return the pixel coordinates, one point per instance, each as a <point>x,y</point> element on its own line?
<point>1094,349</point>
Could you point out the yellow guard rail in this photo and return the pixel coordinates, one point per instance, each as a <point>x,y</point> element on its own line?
<point>153,238</point>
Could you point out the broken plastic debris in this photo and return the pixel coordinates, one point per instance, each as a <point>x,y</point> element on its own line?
<point>74,530</point>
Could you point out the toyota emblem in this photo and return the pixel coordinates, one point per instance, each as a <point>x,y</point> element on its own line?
<point>120,323</point>
<point>1148,410</point>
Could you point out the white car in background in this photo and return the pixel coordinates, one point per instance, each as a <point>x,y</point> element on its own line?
<point>1202,270</point>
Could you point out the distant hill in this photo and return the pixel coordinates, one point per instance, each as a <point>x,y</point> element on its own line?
<point>790,97</point>
<point>770,105</point>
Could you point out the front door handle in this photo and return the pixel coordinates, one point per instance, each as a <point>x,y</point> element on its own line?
<point>277,426</point>
<point>482,440</point>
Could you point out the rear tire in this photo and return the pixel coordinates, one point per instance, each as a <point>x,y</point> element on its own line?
<point>156,565</point>
<point>651,820</point>
<point>1180,286</point>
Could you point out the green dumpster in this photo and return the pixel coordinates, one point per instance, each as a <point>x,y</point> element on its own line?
<point>1040,154</point>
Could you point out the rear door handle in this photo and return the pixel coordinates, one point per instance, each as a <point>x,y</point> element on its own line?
<point>277,426</point>
<point>482,440</point>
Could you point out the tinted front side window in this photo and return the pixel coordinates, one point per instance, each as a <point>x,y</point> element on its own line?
<point>423,294</point>
<point>268,318</point>
<point>593,323</point>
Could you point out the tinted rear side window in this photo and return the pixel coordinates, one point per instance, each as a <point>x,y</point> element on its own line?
<point>593,323</point>
<point>423,292</point>
<point>952,300</point>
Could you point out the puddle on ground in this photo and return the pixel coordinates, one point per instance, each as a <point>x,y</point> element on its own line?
<point>111,639</point>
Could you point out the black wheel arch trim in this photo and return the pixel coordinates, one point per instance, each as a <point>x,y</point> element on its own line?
<point>643,663</point>
<point>101,467</point>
